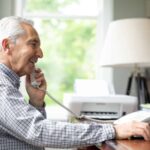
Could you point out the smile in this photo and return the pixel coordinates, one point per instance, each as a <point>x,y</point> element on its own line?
<point>33,60</point>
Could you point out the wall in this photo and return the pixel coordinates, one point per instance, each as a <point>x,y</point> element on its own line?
<point>129,8</point>
<point>6,8</point>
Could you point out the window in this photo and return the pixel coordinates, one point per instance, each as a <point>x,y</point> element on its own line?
<point>67,29</point>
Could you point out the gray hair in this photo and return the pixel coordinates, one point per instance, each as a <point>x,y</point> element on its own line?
<point>10,27</point>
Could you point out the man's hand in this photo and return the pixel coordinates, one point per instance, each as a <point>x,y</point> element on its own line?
<point>36,96</point>
<point>133,128</point>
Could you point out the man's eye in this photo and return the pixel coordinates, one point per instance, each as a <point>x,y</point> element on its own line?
<point>33,45</point>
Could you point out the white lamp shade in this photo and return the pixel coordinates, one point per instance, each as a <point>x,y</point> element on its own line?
<point>127,43</point>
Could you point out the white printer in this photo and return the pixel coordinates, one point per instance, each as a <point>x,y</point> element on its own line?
<point>100,107</point>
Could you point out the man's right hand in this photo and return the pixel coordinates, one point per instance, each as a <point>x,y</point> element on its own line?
<point>133,128</point>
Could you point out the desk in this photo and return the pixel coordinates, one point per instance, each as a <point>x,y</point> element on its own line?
<point>123,145</point>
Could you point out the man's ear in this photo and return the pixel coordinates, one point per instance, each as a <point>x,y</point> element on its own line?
<point>5,44</point>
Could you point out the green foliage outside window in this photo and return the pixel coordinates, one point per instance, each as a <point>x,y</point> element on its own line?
<point>47,5</point>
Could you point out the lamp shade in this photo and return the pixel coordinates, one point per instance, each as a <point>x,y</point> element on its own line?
<point>127,43</point>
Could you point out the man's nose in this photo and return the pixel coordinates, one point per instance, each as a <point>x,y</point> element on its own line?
<point>40,53</point>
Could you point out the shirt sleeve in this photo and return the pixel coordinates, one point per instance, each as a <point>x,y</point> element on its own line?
<point>26,123</point>
<point>41,109</point>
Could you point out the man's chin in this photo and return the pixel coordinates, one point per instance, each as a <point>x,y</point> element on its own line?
<point>31,68</point>
<point>29,71</point>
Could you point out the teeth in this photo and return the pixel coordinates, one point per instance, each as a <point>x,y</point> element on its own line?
<point>33,60</point>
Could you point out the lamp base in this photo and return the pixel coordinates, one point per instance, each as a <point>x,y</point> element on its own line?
<point>141,88</point>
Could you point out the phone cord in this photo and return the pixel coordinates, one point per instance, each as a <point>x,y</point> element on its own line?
<point>81,118</point>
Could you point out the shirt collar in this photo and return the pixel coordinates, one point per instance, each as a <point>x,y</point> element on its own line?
<point>15,79</point>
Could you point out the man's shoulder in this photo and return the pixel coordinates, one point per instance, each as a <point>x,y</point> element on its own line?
<point>5,82</point>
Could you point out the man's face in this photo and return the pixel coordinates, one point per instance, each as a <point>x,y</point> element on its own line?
<point>26,51</point>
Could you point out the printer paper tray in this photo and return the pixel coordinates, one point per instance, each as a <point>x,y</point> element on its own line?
<point>103,117</point>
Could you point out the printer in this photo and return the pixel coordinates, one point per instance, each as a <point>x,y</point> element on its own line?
<point>108,107</point>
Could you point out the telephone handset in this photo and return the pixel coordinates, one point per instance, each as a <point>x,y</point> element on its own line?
<point>34,83</point>
<point>141,115</point>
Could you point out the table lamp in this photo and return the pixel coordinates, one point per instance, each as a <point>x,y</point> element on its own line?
<point>127,44</point>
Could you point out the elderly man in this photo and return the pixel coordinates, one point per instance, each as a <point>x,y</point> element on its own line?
<point>23,126</point>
